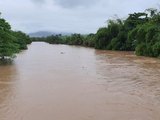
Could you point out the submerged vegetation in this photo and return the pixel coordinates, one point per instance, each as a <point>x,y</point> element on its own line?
<point>140,32</point>
<point>11,42</point>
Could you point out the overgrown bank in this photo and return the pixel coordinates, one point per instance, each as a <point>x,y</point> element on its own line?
<point>140,32</point>
<point>11,42</point>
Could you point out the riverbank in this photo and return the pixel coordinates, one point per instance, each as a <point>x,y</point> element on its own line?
<point>139,32</point>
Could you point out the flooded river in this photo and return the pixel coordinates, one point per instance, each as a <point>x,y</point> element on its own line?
<point>60,82</point>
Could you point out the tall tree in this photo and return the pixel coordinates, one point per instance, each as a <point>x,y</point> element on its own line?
<point>7,45</point>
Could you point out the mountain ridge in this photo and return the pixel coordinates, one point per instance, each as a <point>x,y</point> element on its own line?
<point>46,33</point>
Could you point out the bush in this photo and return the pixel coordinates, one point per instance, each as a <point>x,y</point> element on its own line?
<point>156,49</point>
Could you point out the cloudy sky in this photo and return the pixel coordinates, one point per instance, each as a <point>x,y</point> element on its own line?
<point>76,16</point>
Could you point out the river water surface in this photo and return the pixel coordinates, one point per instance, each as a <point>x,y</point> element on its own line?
<point>59,82</point>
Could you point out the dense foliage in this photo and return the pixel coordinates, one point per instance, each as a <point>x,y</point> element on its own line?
<point>11,42</point>
<point>140,32</point>
<point>74,39</point>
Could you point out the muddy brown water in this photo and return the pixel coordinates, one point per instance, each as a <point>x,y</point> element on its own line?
<point>59,82</point>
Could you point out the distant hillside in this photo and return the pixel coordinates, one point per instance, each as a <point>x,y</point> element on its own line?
<point>45,34</point>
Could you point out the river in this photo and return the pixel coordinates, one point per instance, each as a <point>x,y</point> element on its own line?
<point>60,82</point>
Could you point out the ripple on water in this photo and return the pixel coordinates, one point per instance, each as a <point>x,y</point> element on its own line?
<point>75,83</point>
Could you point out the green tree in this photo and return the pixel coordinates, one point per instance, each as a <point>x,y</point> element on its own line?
<point>102,38</point>
<point>21,39</point>
<point>7,45</point>
<point>89,40</point>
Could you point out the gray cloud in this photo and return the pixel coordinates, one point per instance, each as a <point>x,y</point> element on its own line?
<point>75,3</point>
<point>38,1</point>
<point>69,3</point>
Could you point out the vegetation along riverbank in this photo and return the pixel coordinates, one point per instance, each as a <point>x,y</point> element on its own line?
<point>139,32</point>
<point>11,42</point>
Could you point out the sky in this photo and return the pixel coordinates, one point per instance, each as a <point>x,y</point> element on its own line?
<point>71,16</point>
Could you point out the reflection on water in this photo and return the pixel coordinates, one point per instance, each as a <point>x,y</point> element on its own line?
<point>59,82</point>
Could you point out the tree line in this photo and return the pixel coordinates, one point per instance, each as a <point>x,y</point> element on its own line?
<point>11,42</point>
<point>139,32</point>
